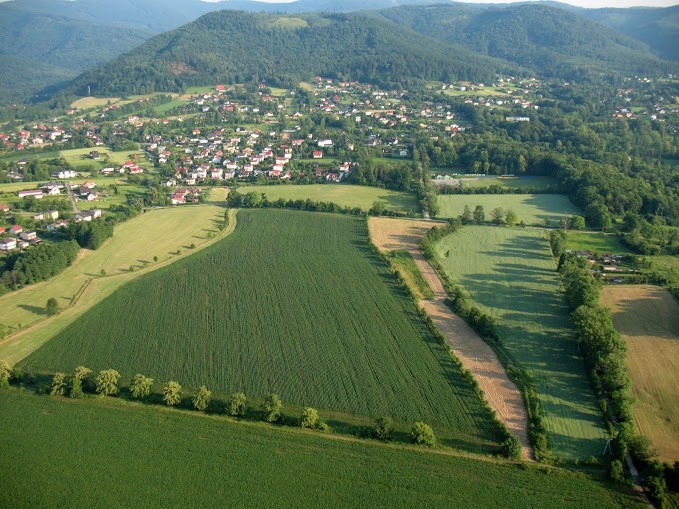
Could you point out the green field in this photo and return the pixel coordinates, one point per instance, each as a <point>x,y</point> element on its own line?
<point>510,273</point>
<point>597,242</point>
<point>342,194</point>
<point>291,302</point>
<point>538,209</point>
<point>510,182</point>
<point>160,233</point>
<point>59,453</point>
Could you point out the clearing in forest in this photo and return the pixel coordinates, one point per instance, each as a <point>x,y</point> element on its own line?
<point>291,302</point>
<point>647,317</point>
<point>510,273</point>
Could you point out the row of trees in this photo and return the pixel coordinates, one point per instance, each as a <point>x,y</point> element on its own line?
<point>605,352</point>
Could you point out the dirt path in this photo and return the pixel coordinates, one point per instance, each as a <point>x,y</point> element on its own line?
<point>502,394</point>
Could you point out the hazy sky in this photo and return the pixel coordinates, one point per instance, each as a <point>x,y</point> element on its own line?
<point>580,3</point>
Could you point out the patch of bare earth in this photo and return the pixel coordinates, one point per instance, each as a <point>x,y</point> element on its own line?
<point>502,394</point>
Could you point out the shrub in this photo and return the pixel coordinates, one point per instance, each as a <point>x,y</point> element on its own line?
<point>75,390</point>
<point>423,434</point>
<point>52,307</point>
<point>141,386</point>
<point>384,427</point>
<point>309,418</point>
<point>511,448</point>
<point>202,399</point>
<point>237,404</point>
<point>172,393</point>
<point>273,406</point>
<point>107,382</point>
<point>5,373</point>
<point>58,386</point>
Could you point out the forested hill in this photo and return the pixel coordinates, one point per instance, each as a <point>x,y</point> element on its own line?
<point>550,41</point>
<point>234,46</point>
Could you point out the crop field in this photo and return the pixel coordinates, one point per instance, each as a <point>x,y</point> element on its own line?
<point>532,209</point>
<point>510,273</point>
<point>647,317</point>
<point>597,242</point>
<point>160,233</point>
<point>342,194</point>
<point>158,458</point>
<point>290,302</point>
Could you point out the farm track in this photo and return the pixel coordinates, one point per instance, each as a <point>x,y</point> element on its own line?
<point>502,395</point>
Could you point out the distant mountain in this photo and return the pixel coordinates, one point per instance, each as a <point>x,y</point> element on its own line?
<point>20,78</point>
<point>548,40</point>
<point>659,28</point>
<point>235,46</point>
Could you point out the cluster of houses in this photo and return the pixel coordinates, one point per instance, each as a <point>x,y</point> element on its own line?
<point>84,191</point>
<point>610,266</point>
<point>18,238</point>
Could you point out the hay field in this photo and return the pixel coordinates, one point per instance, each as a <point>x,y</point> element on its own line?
<point>647,317</point>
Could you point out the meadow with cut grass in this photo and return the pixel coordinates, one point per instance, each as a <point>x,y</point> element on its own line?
<point>291,302</point>
<point>342,194</point>
<point>161,233</point>
<point>510,274</point>
<point>523,182</point>
<point>647,318</point>
<point>59,451</point>
<point>597,242</point>
<point>532,209</point>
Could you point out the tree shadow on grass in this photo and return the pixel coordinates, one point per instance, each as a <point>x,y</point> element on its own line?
<point>33,309</point>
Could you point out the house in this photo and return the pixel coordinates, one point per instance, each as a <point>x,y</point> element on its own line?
<point>55,226</point>
<point>95,155</point>
<point>8,244</point>
<point>135,170</point>
<point>54,191</point>
<point>317,154</point>
<point>28,235</point>
<point>325,143</point>
<point>15,230</point>
<point>89,184</point>
<point>92,196</point>
<point>35,193</point>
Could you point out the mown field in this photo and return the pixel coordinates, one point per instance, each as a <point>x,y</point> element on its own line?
<point>539,209</point>
<point>505,182</point>
<point>59,453</point>
<point>597,242</point>
<point>161,233</point>
<point>342,194</point>
<point>647,317</point>
<point>510,273</point>
<point>290,302</point>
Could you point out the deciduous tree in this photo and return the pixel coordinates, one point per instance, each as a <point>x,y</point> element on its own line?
<point>273,406</point>
<point>141,386</point>
<point>172,393</point>
<point>237,404</point>
<point>107,382</point>
<point>202,399</point>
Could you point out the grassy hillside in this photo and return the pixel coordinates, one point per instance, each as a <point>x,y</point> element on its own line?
<point>234,46</point>
<point>510,273</point>
<point>530,208</point>
<point>68,453</point>
<point>290,302</point>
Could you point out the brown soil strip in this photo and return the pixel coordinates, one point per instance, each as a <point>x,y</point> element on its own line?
<point>476,356</point>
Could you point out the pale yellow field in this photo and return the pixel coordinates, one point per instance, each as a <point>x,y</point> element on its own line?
<point>85,103</point>
<point>165,233</point>
<point>647,317</point>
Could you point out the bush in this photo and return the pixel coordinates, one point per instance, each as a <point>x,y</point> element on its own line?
<point>616,471</point>
<point>237,404</point>
<point>58,386</point>
<point>141,386</point>
<point>107,382</point>
<point>309,418</point>
<point>5,373</point>
<point>172,393</point>
<point>423,434</point>
<point>384,428</point>
<point>202,399</point>
<point>76,388</point>
<point>273,406</point>
<point>511,448</point>
<point>52,307</point>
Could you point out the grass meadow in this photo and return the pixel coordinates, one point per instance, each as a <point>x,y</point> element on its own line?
<point>161,233</point>
<point>647,317</point>
<point>510,273</point>
<point>597,242</point>
<point>524,182</point>
<point>290,302</point>
<point>342,194</point>
<point>69,453</point>
<point>532,209</point>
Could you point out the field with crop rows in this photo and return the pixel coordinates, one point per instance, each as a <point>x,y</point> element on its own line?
<point>647,317</point>
<point>342,194</point>
<point>59,453</point>
<point>160,233</point>
<point>290,302</point>
<point>530,208</point>
<point>510,273</point>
